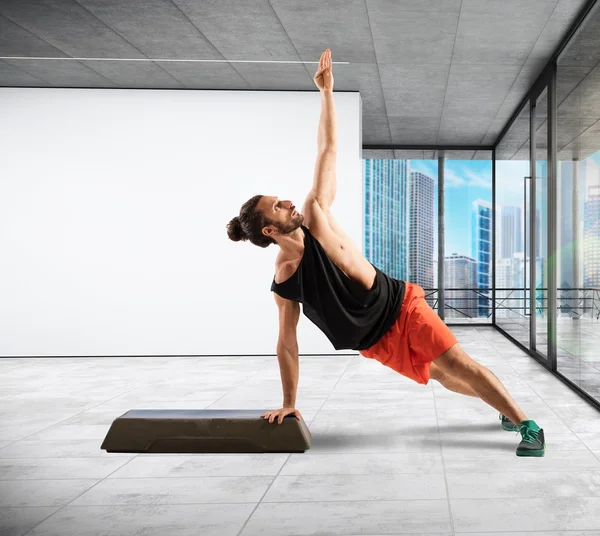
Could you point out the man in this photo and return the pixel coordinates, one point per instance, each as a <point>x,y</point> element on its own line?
<point>354,303</point>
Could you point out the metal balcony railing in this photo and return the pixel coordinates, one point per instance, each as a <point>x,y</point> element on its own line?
<point>477,302</point>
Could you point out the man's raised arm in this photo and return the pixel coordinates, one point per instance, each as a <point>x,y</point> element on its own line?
<point>324,185</point>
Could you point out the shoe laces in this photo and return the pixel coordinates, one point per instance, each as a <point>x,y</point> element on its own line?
<point>529,435</point>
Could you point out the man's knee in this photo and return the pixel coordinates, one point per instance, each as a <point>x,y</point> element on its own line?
<point>435,372</point>
<point>455,362</point>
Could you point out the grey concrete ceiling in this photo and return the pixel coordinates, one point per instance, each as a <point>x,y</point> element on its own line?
<point>429,71</point>
<point>577,99</point>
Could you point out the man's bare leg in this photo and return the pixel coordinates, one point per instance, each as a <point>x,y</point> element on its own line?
<point>451,383</point>
<point>462,369</point>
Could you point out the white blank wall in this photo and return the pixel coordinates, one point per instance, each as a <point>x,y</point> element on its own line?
<point>113,206</point>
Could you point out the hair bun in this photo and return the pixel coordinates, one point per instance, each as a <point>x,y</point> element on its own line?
<point>235,231</point>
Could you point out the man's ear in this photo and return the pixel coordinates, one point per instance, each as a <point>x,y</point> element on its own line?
<point>268,231</point>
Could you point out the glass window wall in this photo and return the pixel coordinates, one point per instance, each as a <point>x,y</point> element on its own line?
<point>578,207</point>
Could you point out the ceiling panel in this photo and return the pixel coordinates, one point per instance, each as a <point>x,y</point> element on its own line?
<point>405,130</point>
<point>584,49</point>
<point>275,76</point>
<point>135,74</point>
<point>495,128</point>
<point>556,27</point>
<point>363,77</point>
<point>425,7</point>
<point>568,78</point>
<point>583,145</point>
<point>413,92</point>
<point>14,76</point>
<point>207,75</point>
<point>500,32</point>
<point>87,36</point>
<point>527,76</point>
<point>376,129</point>
<point>569,129</point>
<point>407,37</point>
<point>478,87</point>
<point>17,41</point>
<point>159,30</point>
<point>225,22</point>
<point>63,73</point>
<point>341,25</point>
<point>456,130</point>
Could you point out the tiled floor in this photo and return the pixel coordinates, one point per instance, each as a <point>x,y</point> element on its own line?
<point>388,457</point>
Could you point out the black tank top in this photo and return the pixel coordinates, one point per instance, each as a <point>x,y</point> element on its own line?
<point>350,315</point>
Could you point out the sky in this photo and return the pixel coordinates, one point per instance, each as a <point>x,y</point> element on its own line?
<point>465,181</point>
<point>468,180</point>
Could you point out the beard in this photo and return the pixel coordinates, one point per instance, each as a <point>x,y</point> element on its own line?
<point>290,226</point>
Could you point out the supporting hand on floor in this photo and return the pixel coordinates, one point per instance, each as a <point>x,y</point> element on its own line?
<point>280,414</point>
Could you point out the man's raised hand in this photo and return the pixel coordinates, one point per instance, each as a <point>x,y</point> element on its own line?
<point>324,75</point>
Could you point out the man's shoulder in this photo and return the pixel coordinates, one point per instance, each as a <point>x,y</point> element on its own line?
<point>285,267</point>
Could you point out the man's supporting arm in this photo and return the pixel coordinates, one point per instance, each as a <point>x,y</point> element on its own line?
<point>287,349</point>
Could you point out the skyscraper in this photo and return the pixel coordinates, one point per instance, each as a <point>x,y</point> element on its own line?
<point>386,216</point>
<point>460,272</point>
<point>566,238</point>
<point>511,232</point>
<point>539,243</point>
<point>591,237</point>
<point>421,224</point>
<point>481,247</point>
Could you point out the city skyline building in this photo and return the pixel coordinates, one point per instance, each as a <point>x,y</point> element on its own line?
<point>481,250</point>
<point>510,232</point>
<point>591,237</point>
<point>460,275</point>
<point>386,216</point>
<point>421,229</point>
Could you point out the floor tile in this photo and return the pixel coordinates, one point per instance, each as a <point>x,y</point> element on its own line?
<point>533,533</point>
<point>356,488</point>
<point>461,461</point>
<point>17,521</point>
<point>365,463</point>
<point>329,439</point>
<point>335,518</point>
<point>539,514</point>
<point>42,493</point>
<point>149,520</point>
<point>65,432</point>
<point>175,491</point>
<point>528,484</point>
<point>73,448</point>
<point>197,466</point>
<point>589,439</point>
<point>59,468</point>
<point>15,432</point>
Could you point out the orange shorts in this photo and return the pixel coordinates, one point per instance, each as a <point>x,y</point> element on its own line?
<point>417,338</point>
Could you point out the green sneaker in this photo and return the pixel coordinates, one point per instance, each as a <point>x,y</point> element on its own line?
<point>507,424</point>
<point>533,443</point>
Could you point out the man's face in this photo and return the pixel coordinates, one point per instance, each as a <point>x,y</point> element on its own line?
<point>282,215</point>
